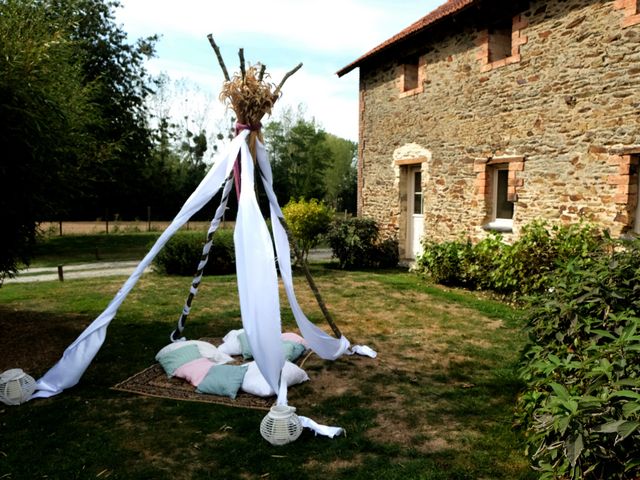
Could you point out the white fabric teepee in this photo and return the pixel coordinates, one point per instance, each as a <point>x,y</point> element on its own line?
<point>257,280</point>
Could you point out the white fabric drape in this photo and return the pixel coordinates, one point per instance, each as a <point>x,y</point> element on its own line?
<point>321,343</point>
<point>77,357</point>
<point>257,282</point>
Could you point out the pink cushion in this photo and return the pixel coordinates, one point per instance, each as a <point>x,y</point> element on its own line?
<point>294,337</point>
<point>194,371</point>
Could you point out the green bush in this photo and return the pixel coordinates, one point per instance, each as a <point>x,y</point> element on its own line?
<point>356,243</point>
<point>182,253</point>
<point>308,221</point>
<point>518,269</point>
<point>581,409</point>
<point>446,262</point>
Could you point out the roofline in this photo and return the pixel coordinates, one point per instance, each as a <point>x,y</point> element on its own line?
<point>446,10</point>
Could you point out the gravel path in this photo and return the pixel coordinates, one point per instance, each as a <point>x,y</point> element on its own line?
<point>107,269</point>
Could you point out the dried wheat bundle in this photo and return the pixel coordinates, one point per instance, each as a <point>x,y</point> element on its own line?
<point>249,94</point>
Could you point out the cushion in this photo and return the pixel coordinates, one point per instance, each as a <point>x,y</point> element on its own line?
<point>206,349</point>
<point>194,371</point>
<point>170,361</point>
<point>231,344</point>
<point>256,384</point>
<point>223,380</point>
<point>244,346</point>
<point>292,350</point>
<point>294,337</point>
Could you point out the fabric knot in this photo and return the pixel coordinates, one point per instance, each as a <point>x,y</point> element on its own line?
<point>252,128</point>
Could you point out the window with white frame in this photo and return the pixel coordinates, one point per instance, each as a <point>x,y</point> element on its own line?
<point>502,207</point>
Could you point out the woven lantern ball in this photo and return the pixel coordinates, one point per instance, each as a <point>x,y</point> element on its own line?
<point>281,425</point>
<point>16,387</point>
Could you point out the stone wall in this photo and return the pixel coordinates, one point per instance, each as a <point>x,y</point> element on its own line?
<point>567,107</point>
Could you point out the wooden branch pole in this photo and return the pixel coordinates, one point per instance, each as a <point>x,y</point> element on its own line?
<point>242,69</point>
<point>263,67</point>
<point>220,59</point>
<point>284,79</point>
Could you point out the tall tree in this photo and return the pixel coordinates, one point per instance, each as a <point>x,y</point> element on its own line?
<point>299,157</point>
<point>71,114</point>
<point>341,175</point>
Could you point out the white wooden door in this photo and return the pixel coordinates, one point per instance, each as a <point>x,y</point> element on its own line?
<point>415,220</point>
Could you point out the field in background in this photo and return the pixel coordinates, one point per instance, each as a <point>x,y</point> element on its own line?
<point>83,228</point>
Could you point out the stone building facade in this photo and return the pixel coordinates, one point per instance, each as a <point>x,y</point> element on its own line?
<point>489,114</point>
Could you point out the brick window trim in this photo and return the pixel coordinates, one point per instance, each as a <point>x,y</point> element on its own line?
<point>482,167</point>
<point>518,23</point>
<point>631,12</point>
<point>625,183</point>
<point>422,63</point>
<point>410,161</point>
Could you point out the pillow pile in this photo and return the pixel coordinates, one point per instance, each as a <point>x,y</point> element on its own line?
<point>204,366</point>
<point>186,360</point>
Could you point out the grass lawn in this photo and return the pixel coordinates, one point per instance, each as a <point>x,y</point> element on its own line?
<point>436,404</point>
<point>101,247</point>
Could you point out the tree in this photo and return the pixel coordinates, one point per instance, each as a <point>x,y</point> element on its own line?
<point>45,109</point>
<point>341,176</point>
<point>71,114</point>
<point>299,157</point>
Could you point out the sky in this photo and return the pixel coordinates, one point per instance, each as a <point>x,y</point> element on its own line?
<point>324,35</point>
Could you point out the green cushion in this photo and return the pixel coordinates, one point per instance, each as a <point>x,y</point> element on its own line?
<point>244,344</point>
<point>292,350</point>
<point>176,358</point>
<point>223,380</point>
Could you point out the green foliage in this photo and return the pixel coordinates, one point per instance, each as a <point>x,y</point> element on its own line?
<point>445,261</point>
<point>71,114</point>
<point>521,268</point>
<point>308,222</point>
<point>356,243</point>
<point>182,254</point>
<point>581,408</point>
<point>341,176</point>
<point>309,163</point>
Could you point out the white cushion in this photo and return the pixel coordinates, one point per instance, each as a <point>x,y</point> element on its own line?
<point>231,344</point>
<point>206,349</point>
<point>255,384</point>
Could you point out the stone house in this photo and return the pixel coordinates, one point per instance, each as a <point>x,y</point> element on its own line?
<point>488,114</point>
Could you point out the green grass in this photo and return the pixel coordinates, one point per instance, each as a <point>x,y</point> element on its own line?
<point>436,404</point>
<point>73,249</point>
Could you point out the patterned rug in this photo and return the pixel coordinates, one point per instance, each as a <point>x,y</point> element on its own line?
<point>153,382</point>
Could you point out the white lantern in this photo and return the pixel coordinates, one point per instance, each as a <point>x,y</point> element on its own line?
<point>281,425</point>
<point>16,386</point>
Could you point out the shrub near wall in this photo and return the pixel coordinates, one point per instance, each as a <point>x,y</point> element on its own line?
<point>356,243</point>
<point>181,255</point>
<point>581,408</point>
<point>518,269</point>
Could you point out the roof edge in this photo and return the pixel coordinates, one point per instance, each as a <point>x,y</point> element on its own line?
<point>446,10</point>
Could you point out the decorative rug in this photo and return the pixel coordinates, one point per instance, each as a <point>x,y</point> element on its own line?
<point>153,382</point>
